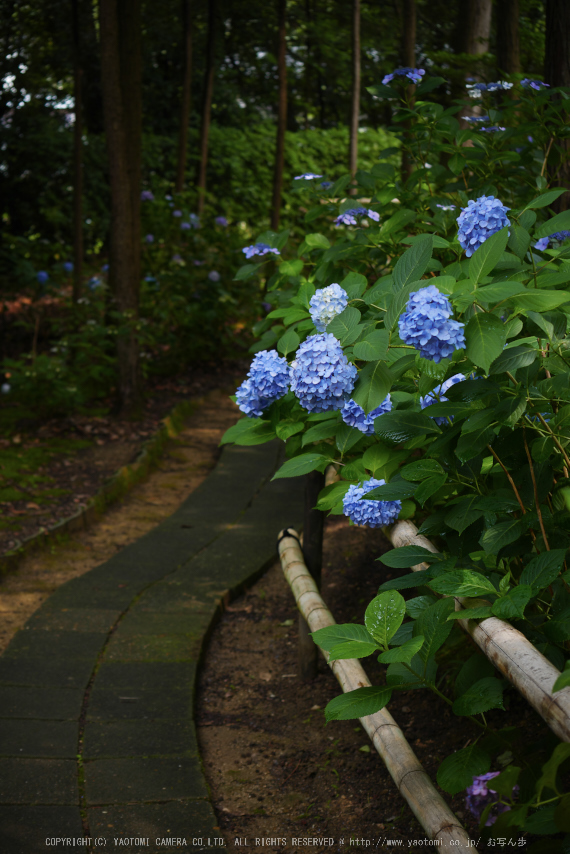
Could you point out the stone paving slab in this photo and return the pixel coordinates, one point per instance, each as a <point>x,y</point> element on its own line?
<point>107,666</point>
<point>25,829</point>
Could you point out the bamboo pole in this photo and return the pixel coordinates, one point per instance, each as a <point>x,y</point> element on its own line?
<point>404,767</point>
<point>509,650</point>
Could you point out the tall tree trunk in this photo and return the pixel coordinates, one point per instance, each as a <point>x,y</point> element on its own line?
<point>281,116</point>
<point>508,45</point>
<point>77,156</point>
<point>207,104</point>
<point>186,94</point>
<point>557,73</point>
<point>408,53</point>
<point>355,101</point>
<point>120,28</point>
<point>478,28</point>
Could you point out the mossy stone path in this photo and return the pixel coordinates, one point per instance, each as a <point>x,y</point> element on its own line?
<point>97,736</point>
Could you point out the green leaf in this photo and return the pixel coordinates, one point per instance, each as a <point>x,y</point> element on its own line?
<point>286,429</point>
<point>563,681</point>
<point>357,704</point>
<point>407,556</point>
<point>333,635</point>
<point>485,694</point>
<point>352,649</point>
<point>291,268</point>
<point>432,624</point>
<point>322,430</point>
<point>354,284</point>
<point>457,163</point>
<point>289,342</point>
<point>485,335</point>
<point>560,222</point>
<point>471,444</point>
<point>421,469</point>
<point>384,616</point>
<point>479,613</point>
<point>249,431</point>
<point>403,653</point>
<point>373,384</point>
<point>375,457</point>
<point>519,241</point>
<point>544,200</point>
<point>475,668</point>
<point>492,294</point>
<point>542,569</point>
<point>345,325</point>
<point>330,496</point>
<point>542,300</point>
<point>562,814</point>
<point>306,291</point>
<point>413,263</point>
<point>486,256</point>
<point>512,358</point>
<point>399,302</point>
<point>511,606</point>
<point>464,514</point>
<point>456,772</point>
<point>429,487</point>
<point>550,769</point>
<point>502,534</point>
<point>317,241</point>
<point>462,582</point>
<point>246,271</point>
<point>405,582</point>
<point>347,437</point>
<point>373,347</point>
<point>400,425</point>
<point>394,491</point>
<point>302,464</point>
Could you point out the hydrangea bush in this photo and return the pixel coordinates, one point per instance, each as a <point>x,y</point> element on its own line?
<point>438,387</point>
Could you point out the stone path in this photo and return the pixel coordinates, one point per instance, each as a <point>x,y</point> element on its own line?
<point>97,739</point>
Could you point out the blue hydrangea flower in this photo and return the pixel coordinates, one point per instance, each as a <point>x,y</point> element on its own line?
<point>308,176</point>
<point>214,276</point>
<point>446,207</point>
<point>259,249</point>
<point>221,220</point>
<point>268,379</point>
<point>559,236</point>
<point>42,277</point>
<point>438,396</point>
<point>350,217</point>
<point>194,220</point>
<point>94,283</point>
<point>176,213</point>
<point>542,244</point>
<point>147,196</point>
<point>68,266</point>
<point>105,268</point>
<point>326,304</point>
<point>149,238</point>
<point>476,89</point>
<point>493,129</point>
<point>373,514</point>
<point>414,75</point>
<point>479,220</point>
<point>326,184</point>
<point>479,796</point>
<point>5,388</point>
<point>527,83</point>
<point>426,325</point>
<point>321,376</point>
<point>475,119</point>
<point>185,226</point>
<point>355,416</point>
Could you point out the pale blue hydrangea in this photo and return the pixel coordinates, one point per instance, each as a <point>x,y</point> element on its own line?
<point>258,249</point>
<point>544,242</point>
<point>414,75</point>
<point>426,325</point>
<point>438,396</point>
<point>5,388</point>
<point>326,304</point>
<point>321,376</point>
<point>267,380</point>
<point>476,89</point>
<point>479,220</point>
<point>474,119</point>
<point>373,514</point>
<point>355,416</point>
<point>307,176</point>
<point>493,129</point>
<point>527,83</point>
<point>214,276</point>
<point>350,217</point>
<point>446,207</point>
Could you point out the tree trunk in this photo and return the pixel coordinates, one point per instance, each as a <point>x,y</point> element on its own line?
<point>355,102</point>
<point>207,104</point>
<point>508,47</point>
<point>186,94</point>
<point>282,115</point>
<point>557,73</point>
<point>120,28</point>
<point>479,26</point>
<point>77,156</point>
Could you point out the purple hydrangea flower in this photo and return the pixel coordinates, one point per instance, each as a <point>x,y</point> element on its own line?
<point>355,416</point>
<point>42,277</point>
<point>308,176</point>
<point>414,75</point>
<point>479,796</point>
<point>268,379</point>
<point>68,267</point>
<point>259,249</point>
<point>214,276</point>
<point>350,217</point>
<point>527,83</point>
<point>479,220</point>
<point>176,213</point>
<point>326,304</point>
<point>438,396</point>
<point>426,325</point>
<point>221,220</point>
<point>493,129</point>
<point>558,236</point>
<point>326,184</point>
<point>149,238</point>
<point>372,514</point>
<point>147,196</point>
<point>321,376</point>
<point>542,244</point>
<point>185,226</point>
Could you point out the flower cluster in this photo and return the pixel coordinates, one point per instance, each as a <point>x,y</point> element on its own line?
<point>479,796</point>
<point>493,129</point>
<point>355,416</point>
<point>476,89</point>
<point>321,376</point>
<point>438,396</point>
<point>176,213</point>
<point>68,266</point>
<point>42,277</point>
<point>221,220</point>
<point>475,119</point>
<point>307,176</point>
<point>527,83</point>
<point>267,380</point>
<point>559,236</point>
<point>259,249</point>
<point>446,207</point>
<point>426,325</point>
<point>373,514</point>
<point>479,220</point>
<point>326,304</point>
<point>147,196</point>
<point>414,75</point>
<point>350,217</point>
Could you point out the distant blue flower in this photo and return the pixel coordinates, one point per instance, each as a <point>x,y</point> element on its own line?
<point>493,129</point>
<point>308,176</point>
<point>558,236</point>
<point>105,268</point>
<point>476,89</point>
<point>362,511</point>
<point>185,226</point>
<point>68,267</point>
<point>414,75</point>
<point>321,376</point>
<point>326,184</point>
<point>42,277</point>
<point>326,304</point>
<point>438,396</point>
<point>355,416</point>
<point>198,263</point>
<point>221,220</point>
<point>499,85</point>
<point>259,249</point>
<point>349,217</point>
<point>194,220</point>
<point>475,119</point>
<point>147,196</point>
<point>214,276</point>
<point>176,213</point>
<point>268,379</point>
<point>94,283</point>
<point>5,388</point>
<point>149,279</point>
<point>542,244</point>
<point>149,238</point>
<point>427,327</point>
<point>527,83</point>
<point>168,198</point>
<point>479,220</point>
<point>446,207</point>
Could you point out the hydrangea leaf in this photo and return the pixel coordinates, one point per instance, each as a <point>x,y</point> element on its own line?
<point>403,653</point>
<point>541,300</point>
<point>375,457</point>
<point>485,694</point>
<point>302,464</point>
<point>374,347</point>
<point>354,284</point>
<point>560,222</point>
<point>345,325</point>
<point>394,491</point>
<point>289,342</point>
<point>475,668</point>
<point>471,444</point>
<point>317,241</point>
<point>413,263</point>
<point>456,772</point>
<point>405,582</point>
<point>347,437</point>
<point>384,616</point>
<point>512,358</point>
<point>502,534</point>
<point>246,271</point>
<point>463,514</point>
<point>545,199</point>
<point>400,425</point>
<point>462,582</point>
<point>429,487</point>
<point>373,384</point>
<point>563,680</point>
<point>511,606</point>
<point>306,291</point>
<point>352,649</point>
<point>519,240</point>
<point>332,635</point>
<point>357,704</point>
<point>330,496</point>
<point>485,336</point>
<point>291,268</point>
<point>480,612</point>
<point>243,426</point>
<point>322,430</point>
<point>421,469</point>
<point>286,429</point>
<point>487,255</point>
<point>542,569</point>
<point>432,624</point>
<point>406,556</point>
